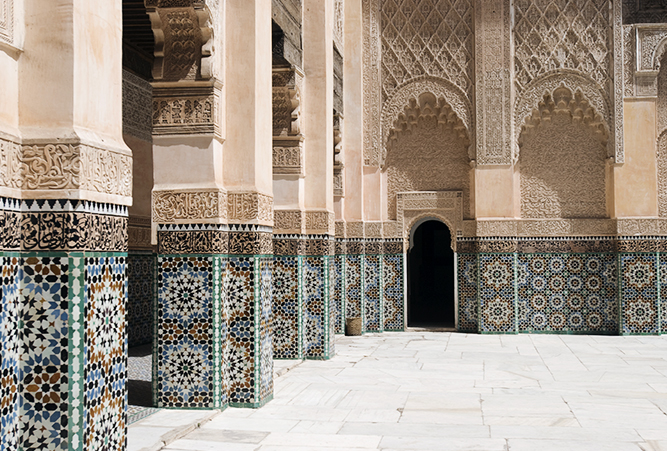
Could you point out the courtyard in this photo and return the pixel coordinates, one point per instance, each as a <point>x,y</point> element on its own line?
<point>422,390</point>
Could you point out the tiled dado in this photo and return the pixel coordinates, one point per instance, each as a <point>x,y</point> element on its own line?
<point>64,351</point>
<point>598,285</point>
<point>369,283</point>
<point>141,291</point>
<point>213,316</point>
<point>303,313</point>
<point>62,325</point>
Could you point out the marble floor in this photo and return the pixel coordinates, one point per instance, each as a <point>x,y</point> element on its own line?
<point>449,391</point>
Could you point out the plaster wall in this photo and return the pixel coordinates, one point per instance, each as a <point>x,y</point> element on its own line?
<point>318,129</point>
<point>9,117</point>
<point>352,208</point>
<point>187,162</point>
<point>494,192</point>
<point>142,175</point>
<point>248,163</point>
<point>635,182</point>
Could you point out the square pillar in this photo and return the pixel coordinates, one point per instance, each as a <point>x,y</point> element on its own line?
<point>393,281</point>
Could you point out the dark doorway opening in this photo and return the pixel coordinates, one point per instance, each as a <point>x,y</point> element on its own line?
<point>431,277</point>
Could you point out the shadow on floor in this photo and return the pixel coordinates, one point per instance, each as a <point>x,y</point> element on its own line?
<point>139,390</point>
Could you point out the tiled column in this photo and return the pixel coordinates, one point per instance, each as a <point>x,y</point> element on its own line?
<point>318,183</point>
<point>467,261</point>
<point>373,300</point>
<point>247,172</point>
<point>338,297</point>
<point>354,280</point>
<point>65,271</point>
<point>393,283</point>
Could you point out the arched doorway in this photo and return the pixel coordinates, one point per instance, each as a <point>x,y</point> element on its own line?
<point>431,276</point>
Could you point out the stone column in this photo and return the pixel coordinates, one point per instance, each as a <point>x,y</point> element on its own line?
<point>67,184</point>
<point>247,166</point>
<point>319,202</point>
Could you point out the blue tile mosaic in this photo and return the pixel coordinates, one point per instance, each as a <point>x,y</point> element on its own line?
<point>105,350</point>
<point>467,292</point>
<point>372,294</point>
<point>567,293</point>
<point>184,356</point>
<point>639,294</point>
<point>141,292</point>
<point>286,324</point>
<point>392,292</point>
<point>338,290</point>
<point>353,286</point>
<point>497,306</point>
<point>9,363</point>
<point>316,307</point>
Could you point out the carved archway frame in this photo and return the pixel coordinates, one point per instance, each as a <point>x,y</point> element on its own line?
<point>413,89</point>
<point>545,85</point>
<point>444,206</point>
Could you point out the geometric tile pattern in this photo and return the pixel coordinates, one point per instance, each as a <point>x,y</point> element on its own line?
<point>184,344</point>
<point>44,316</point>
<point>140,293</point>
<point>248,348</point>
<point>567,293</point>
<point>338,300</point>
<point>467,292</point>
<point>372,295</point>
<point>286,324</point>
<point>353,286</point>
<point>316,313</point>
<point>639,294</point>
<point>663,293</point>
<point>496,293</point>
<point>105,350</point>
<point>265,337</point>
<point>392,291</point>
<point>220,372</point>
<point>332,317</point>
<point>9,359</point>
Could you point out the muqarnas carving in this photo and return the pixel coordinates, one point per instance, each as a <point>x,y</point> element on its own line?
<point>427,151</point>
<point>562,159</point>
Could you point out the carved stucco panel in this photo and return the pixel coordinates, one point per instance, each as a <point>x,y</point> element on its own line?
<point>414,206</point>
<point>173,206</point>
<point>529,100</point>
<point>494,84</point>
<point>432,158</point>
<point>244,207</point>
<point>557,182</point>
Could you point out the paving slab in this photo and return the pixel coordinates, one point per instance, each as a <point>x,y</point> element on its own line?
<point>421,390</point>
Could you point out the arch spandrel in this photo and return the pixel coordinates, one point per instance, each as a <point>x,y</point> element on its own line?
<point>417,221</point>
<point>441,89</point>
<point>575,82</point>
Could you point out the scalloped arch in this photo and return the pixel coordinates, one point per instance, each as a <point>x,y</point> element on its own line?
<point>659,52</point>
<point>530,98</point>
<point>440,88</point>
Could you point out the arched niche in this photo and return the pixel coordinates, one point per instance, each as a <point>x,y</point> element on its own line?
<point>575,82</point>
<point>562,158</point>
<point>427,150</point>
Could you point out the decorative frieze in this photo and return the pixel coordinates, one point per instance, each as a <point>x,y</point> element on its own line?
<point>288,157</point>
<point>182,206</point>
<point>190,110</point>
<point>247,207</point>
<point>320,222</point>
<point>193,239</point>
<point>51,167</point>
<point>139,234</point>
<point>63,225</point>
<point>289,221</point>
<point>493,82</point>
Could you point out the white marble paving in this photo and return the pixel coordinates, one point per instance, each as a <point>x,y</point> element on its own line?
<point>449,391</point>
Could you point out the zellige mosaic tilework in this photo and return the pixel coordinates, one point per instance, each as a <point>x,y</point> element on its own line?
<point>392,292</point>
<point>372,299</point>
<point>467,292</point>
<point>639,294</point>
<point>287,333</point>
